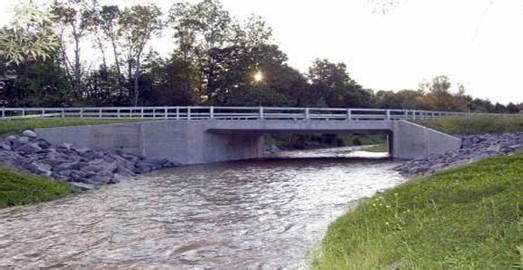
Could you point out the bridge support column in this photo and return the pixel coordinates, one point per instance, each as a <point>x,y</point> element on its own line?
<point>190,142</point>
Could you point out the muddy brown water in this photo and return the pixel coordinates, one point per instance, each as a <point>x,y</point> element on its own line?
<point>264,214</point>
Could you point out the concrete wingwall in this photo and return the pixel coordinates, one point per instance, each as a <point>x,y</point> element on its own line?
<point>410,141</point>
<point>183,142</point>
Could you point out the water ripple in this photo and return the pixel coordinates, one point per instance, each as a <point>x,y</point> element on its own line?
<point>245,215</point>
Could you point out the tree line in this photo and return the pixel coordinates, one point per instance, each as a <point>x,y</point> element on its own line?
<point>217,60</point>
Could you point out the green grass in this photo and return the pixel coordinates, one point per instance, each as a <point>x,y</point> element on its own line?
<point>476,124</point>
<point>377,148</point>
<point>363,139</point>
<point>18,125</point>
<point>19,189</point>
<point>464,218</point>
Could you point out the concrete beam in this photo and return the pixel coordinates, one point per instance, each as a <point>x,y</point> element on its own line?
<point>300,126</point>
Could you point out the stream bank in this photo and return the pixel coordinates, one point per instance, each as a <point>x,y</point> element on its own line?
<point>474,148</point>
<point>80,167</point>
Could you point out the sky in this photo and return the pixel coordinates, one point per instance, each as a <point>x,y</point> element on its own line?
<point>475,42</point>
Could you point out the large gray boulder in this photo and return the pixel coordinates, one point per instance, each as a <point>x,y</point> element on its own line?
<point>29,148</point>
<point>39,168</point>
<point>29,133</point>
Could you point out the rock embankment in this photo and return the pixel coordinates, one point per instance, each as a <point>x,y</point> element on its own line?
<point>81,167</point>
<point>474,148</point>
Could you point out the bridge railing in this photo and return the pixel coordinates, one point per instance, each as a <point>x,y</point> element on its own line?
<point>224,113</point>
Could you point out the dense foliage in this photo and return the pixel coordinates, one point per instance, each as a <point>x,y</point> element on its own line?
<point>214,60</point>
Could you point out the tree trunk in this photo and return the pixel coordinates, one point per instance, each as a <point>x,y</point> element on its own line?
<point>77,66</point>
<point>136,76</point>
<point>130,73</point>
<point>102,50</point>
<point>116,60</point>
<point>118,70</point>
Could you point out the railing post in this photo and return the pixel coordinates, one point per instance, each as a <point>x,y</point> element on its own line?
<point>166,113</point>
<point>307,114</point>
<point>211,112</point>
<point>99,112</point>
<point>81,112</point>
<point>42,113</point>
<point>63,112</point>
<point>388,114</point>
<point>177,113</point>
<point>118,113</point>
<point>3,112</point>
<point>349,114</point>
<point>261,113</point>
<point>141,112</point>
<point>188,113</point>
<point>23,111</point>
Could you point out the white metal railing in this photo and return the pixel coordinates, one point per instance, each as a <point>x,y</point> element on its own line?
<point>225,113</point>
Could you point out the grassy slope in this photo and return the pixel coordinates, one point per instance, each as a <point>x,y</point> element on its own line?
<point>476,124</point>
<point>464,218</point>
<point>19,188</point>
<point>18,125</point>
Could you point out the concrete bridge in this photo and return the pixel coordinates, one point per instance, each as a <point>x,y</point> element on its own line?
<point>199,135</point>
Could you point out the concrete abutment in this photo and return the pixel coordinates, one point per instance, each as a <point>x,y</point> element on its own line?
<point>208,141</point>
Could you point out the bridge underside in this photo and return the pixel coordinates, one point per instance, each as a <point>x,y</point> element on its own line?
<point>207,141</point>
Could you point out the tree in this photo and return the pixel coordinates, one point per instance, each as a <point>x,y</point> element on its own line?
<point>28,36</point>
<point>36,82</point>
<point>499,108</point>
<point>437,94</point>
<point>138,25</point>
<point>332,86</point>
<point>383,6</point>
<point>481,106</point>
<point>252,32</point>
<point>29,74</point>
<point>172,81</point>
<point>104,23</point>
<point>68,19</point>
<point>106,19</point>
<point>201,29</point>
<point>512,108</point>
<point>404,99</point>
